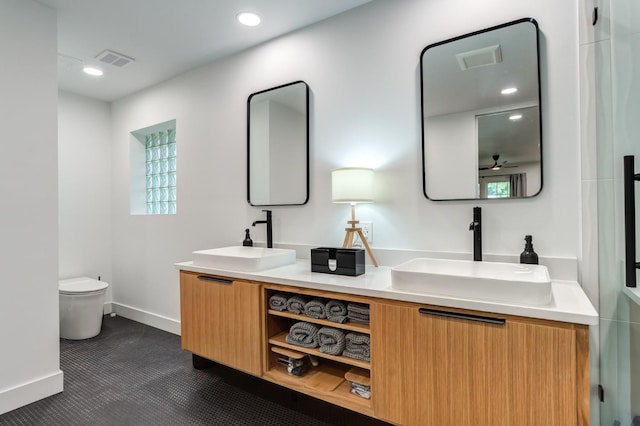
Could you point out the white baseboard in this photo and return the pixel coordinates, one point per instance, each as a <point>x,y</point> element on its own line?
<point>154,320</point>
<point>33,391</point>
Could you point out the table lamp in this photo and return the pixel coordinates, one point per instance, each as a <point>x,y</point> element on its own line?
<point>353,185</point>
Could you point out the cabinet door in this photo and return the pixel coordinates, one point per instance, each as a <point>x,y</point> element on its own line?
<point>545,365</point>
<point>393,362</point>
<point>462,369</point>
<point>438,366</point>
<point>220,320</point>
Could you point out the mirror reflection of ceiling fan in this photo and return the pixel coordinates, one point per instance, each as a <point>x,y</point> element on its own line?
<point>496,165</point>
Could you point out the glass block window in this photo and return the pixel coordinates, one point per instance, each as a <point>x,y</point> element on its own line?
<point>160,172</point>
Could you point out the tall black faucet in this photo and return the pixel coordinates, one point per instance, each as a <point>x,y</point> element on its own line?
<point>269,228</point>
<point>476,227</point>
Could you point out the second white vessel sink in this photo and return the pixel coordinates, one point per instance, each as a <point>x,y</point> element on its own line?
<point>244,259</point>
<point>492,281</point>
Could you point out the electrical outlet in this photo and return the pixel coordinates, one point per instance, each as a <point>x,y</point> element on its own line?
<point>367,230</point>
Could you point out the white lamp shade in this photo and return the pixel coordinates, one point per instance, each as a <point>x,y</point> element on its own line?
<point>352,185</point>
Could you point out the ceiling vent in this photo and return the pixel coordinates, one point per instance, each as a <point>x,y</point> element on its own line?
<point>114,58</point>
<point>480,57</point>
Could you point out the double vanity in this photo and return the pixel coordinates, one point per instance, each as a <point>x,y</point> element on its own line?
<point>452,342</point>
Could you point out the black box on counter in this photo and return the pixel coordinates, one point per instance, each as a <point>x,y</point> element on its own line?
<point>339,261</point>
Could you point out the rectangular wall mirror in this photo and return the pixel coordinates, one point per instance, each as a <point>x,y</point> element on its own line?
<point>278,146</point>
<point>481,118</point>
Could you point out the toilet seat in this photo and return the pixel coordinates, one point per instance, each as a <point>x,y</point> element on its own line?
<point>80,286</point>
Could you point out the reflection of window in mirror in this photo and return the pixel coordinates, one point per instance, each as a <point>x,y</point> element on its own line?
<point>494,187</point>
<point>503,186</point>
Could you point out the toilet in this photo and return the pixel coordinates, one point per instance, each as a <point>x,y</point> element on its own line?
<point>81,307</point>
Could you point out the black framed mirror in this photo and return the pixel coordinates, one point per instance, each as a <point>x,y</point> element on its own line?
<point>278,146</point>
<point>481,115</point>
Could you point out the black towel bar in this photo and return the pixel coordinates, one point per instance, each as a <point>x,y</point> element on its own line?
<point>630,177</point>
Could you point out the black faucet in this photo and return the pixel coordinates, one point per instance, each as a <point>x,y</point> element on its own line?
<point>269,228</point>
<point>476,227</point>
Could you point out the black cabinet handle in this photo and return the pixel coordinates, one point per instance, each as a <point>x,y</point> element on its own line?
<point>214,279</point>
<point>469,317</point>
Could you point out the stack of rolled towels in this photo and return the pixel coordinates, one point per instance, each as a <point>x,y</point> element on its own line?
<point>278,302</point>
<point>318,308</point>
<point>333,310</point>
<point>303,334</point>
<point>329,340</point>
<point>315,308</point>
<point>336,311</point>
<point>357,346</point>
<point>295,304</point>
<point>358,313</point>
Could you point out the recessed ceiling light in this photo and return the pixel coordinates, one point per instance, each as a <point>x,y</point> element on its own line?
<point>249,19</point>
<point>92,71</point>
<point>515,117</point>
<point>509,90</point>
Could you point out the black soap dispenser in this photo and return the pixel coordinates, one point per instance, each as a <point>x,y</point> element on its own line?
<point>528,255</point>
<point>248,242</point>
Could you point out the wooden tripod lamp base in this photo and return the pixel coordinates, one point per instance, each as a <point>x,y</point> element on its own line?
<point>354,229</point>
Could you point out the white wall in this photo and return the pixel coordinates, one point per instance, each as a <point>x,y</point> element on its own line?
<point>30,355</point>
<point>451,153</point>
<point>362,69</point>
<point>84,159</point>
<point>260,153</point>
<point>287,130</point>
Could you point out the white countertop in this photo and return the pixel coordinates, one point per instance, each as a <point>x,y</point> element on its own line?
<point>633,293</point>
<point>570,303</point>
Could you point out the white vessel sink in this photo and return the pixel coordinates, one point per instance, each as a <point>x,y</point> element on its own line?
<point>466,279</point>
<point>244,259</point>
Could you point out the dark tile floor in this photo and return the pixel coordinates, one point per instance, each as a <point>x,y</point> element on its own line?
<point>133,374</point>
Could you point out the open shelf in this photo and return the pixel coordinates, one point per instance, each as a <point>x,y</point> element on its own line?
<point>325,381</point>
<point>280,340</point>
<point>309,384</point>
<point>351,326</point>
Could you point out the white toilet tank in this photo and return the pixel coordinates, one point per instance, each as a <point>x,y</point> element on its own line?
<point>81,307</point>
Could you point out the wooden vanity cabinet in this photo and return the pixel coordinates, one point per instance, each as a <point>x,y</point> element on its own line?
<point>436,366</point>
<point>221,320</point>
<point>429,365</point>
